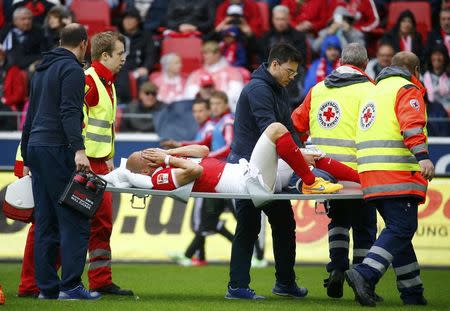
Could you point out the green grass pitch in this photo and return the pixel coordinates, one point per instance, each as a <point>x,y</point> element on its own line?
<point>171,287</point>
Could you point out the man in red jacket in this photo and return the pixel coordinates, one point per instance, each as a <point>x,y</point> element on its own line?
<point>249,20</point>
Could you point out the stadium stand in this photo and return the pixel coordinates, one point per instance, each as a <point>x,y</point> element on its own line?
<point>421,11</point>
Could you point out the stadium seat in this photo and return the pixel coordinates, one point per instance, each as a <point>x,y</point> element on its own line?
<point>265,15</point>
<point>95,14</point>
<point>189,49</point>
<point>421,11</point>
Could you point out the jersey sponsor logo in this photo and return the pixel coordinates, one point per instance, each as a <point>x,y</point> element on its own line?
<point>414,103</point>
<point>162,179</point>
<point>329,114</point>
<point>367,116</point>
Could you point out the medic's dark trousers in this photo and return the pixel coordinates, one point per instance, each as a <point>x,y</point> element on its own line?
<point>394,246</point>
<point>362,219</point>
<point>55,224</point>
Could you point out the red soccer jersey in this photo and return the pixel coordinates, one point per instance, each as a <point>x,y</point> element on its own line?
<point>212,171</point>
<point>164,179</point>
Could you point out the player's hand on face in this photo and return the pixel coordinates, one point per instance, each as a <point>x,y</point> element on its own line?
<point>154,155</point>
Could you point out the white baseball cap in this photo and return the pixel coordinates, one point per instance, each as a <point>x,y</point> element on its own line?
<point>235,9</point>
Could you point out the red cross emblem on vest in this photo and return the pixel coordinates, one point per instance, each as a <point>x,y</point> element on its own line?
<point>329,114</point>
<point>367,116</point>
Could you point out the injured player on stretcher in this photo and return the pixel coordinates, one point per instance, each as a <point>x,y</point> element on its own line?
<point>274,160</point>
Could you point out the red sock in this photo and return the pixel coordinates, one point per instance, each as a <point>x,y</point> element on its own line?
<point>288,150</point>
<point>339,170</point>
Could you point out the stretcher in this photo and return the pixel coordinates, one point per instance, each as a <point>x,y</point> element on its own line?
<point>350,191</point>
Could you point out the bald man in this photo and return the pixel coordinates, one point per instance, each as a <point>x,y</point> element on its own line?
<point>394,169</point>
<point>169,169</point>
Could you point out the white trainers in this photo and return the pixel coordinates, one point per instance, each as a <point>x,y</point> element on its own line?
<point>259,263</point>
<point>179,258</point>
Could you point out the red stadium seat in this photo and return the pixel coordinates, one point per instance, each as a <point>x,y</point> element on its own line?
<point>189,49</point>
<point>265,15</point>
<point>421,11</point>
<point>95,14</point>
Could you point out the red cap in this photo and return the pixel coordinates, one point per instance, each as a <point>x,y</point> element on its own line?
<point>206,80</point>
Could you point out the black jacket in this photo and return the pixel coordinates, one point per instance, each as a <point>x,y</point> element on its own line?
<point>200,13</point>
<point>55,113</point>
<point>393,36</point>
<point>141,50</point>
<point>262,102</point>
<point>272,37</point>
<point>25,53</point>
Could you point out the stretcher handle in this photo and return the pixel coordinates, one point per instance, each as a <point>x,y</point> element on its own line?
<point>144,201</point>
<point>326,207</point>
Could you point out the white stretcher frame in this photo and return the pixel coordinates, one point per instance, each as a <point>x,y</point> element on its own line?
<point>351,191</point>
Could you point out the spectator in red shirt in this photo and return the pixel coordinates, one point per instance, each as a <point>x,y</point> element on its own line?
<point>251,17</point>
<point>365,12</point>
<point>307,15</point>
<point>13,86</point>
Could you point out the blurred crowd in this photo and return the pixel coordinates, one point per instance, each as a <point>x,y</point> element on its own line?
<point>182,50</point>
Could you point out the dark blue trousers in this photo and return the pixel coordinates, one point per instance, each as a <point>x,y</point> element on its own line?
<point>362,219</point>
<point>58,229</point>
<point>282,222</point>
<point>394,246</point>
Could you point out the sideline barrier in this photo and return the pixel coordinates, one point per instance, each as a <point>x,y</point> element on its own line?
<point>166,226</point>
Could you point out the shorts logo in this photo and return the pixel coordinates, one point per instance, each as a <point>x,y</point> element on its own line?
<point>162,179</point>
<point>367,116</point>
<point>329,114</point>
<point>414,103</point>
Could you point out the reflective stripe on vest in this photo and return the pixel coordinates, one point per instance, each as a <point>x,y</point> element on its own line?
<point>19,154</point>
<point>379,141</point>
<point>99,121</point>
<point>394,188</point>
<point>333,117</point>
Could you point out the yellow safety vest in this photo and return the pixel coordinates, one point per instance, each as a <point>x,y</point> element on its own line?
<point>379,141</point>
<point>19,154</point>
<point>333,117</point>
<point>99,120</point>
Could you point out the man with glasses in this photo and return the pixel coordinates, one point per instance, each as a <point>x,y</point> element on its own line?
<point>263,101</point>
